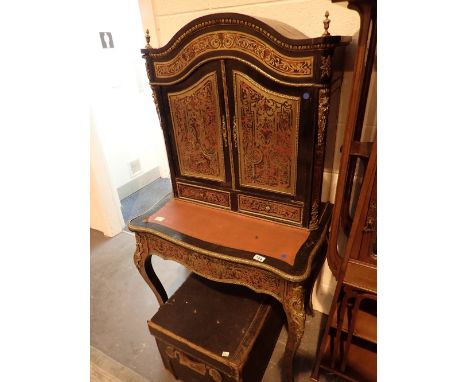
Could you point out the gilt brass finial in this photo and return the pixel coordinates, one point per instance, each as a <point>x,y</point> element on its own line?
<point>148,38</point>
<point>326,24</point>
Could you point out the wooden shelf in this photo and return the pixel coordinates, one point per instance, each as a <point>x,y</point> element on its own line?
<point>361,149</point>
<point>365,327</point>
<point>361,276</point>
<point>361,365</point>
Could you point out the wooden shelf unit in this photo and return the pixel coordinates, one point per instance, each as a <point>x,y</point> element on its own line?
<point>361,365</point>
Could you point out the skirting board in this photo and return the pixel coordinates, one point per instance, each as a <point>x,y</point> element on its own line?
<point>330,179</point>
<point>322,294</point>
<point>138,182</point>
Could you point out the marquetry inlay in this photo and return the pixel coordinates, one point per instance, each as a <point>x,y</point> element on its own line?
<point>270,208</point>
<point>235,41</point>
<point>204,195</point>
<point>196,122</point>
<point>267,136</point>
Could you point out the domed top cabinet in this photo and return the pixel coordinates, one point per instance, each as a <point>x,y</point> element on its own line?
<point>244,105</point>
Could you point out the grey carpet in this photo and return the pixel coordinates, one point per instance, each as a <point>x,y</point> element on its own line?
<point>142,200</point>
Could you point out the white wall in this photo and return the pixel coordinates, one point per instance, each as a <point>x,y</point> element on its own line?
<point>105,213</point>
<point>165,17</point>
<point>122,106</point>
<point>307,16</point>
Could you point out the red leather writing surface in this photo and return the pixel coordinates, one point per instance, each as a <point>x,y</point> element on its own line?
<point>231,229</point>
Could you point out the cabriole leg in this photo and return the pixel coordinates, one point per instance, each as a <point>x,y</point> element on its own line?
<point>142,261</point>
<point>294,308</point>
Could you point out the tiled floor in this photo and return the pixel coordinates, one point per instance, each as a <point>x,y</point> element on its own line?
<point>121,302</point>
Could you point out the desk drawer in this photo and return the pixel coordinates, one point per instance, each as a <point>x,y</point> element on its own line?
<point>204,195</point>
<point>269,208</point>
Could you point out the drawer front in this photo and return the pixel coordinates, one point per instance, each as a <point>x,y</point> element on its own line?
<point>264,207</point>
<point>204,195</point>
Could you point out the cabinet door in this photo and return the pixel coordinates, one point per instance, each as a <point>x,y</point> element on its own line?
<point>273,127</point>
<point>267,128</point>
<point>197,127</point>
<point>269,121</point>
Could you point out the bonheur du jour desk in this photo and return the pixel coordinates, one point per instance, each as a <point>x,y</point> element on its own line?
<point>244,107</point>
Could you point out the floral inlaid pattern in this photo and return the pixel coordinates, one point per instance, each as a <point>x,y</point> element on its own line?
<point>268,130</point>
<point>268,207</point>
<point>196,123</point>
<point>217,269</point>
<point>231,40</point>
<point>324,106</point>
<point>205,195</point>
<point>325,67</point>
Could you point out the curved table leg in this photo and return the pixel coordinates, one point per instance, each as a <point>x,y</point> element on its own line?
<point>142,261</point>
<point>294,308</point>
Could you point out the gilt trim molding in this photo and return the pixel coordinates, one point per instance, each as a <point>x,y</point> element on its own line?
<point>173,44</point>
<point>316,246</point>
<point>300,67</point>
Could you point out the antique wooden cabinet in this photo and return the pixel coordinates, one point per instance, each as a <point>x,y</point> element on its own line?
<point>244,106</point>
<point>245,111</point>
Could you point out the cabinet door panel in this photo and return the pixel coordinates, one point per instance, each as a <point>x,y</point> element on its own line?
<point>267,129</point>
<point>197,124</point>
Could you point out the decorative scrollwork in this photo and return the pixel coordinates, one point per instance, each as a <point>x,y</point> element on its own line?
<point>217,269</point>
<point>196,121</point>
<point>295,308</point>
<point>205,195</point>
<point>238,41</point>
<point>139,251</point>
<point>234,132</point>
<point>268,207</point>
<point>268,135</point>
<point>323,107</point>
<point>314,216</point>
<point>230,21</point>
<point>325,67</point>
